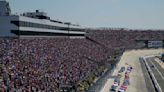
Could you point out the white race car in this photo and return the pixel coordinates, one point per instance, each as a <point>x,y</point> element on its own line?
<point>121,90</point>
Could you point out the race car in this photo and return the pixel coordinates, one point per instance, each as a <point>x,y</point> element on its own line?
<point>124,86</point>
<point>121,70</point>
<point>121,90</point>
<point>114,87</point>
<point>127,77</point>
<point>117,80</point>
<point>127,81</point>
<point>129,69</point>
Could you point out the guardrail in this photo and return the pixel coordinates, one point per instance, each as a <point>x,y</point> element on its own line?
<point>101,81</point>
<point>155,83</point>
<point>98,86</point>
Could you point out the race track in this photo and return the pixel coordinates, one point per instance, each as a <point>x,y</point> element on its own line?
<point>157,71</point>
<point>139,78</point>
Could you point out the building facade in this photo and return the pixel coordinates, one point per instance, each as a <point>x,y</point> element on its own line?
<point>34,24</point>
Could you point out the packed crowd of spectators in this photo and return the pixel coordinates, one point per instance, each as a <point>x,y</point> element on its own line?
<point>125,39</point>
<point>44,64</point>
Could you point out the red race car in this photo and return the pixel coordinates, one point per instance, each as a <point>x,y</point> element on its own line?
<point>124,86</point>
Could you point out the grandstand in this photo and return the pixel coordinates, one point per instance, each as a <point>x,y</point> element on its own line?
<point>46,64</point>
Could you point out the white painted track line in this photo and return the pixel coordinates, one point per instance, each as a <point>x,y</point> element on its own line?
<point>157,70</point>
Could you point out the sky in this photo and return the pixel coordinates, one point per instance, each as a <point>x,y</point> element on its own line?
<point>133,14</point>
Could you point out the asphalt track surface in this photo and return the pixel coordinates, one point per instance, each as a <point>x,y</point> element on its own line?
<point>140,80</point>
<point>148,81</point>
<point>157,70</point>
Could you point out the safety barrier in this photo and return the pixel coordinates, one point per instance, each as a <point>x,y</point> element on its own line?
<point>155,83</point>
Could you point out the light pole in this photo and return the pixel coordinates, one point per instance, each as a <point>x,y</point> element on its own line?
<point>68,23</point>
